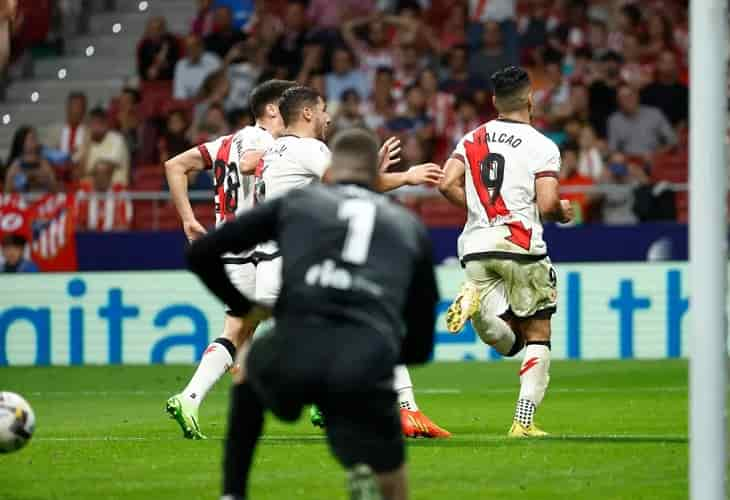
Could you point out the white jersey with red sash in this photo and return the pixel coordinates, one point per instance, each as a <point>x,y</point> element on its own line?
<point>503,158</point>
<point>233,191</point>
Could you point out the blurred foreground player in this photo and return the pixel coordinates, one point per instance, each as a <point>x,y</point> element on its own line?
<point>505,173</point>
<point>357,298</point>
<point>298,158</point>
<point>233,159</point>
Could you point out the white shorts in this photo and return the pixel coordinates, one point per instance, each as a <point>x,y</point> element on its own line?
<point>243,277</point>
<point>268,281</point>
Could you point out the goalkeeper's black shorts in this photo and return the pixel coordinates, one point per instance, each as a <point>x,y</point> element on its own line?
<point>348,374</point>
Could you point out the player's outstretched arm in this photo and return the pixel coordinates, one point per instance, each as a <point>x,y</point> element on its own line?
<point>551,207</point>
<point>176,170</point>
<point>453,183</point>
<point>426,173</point>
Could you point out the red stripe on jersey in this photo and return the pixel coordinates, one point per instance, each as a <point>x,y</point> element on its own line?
<point>546,173</point>
<point>221,163</point>
<point>207,162</point>
<point>476,153</point>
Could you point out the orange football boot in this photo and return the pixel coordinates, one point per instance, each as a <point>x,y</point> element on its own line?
<point>416,424</point>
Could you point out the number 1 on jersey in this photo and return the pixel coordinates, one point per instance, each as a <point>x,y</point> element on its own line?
<point>360,217</point>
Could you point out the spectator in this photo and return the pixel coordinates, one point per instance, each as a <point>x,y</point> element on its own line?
<point>667,93</point>
<point>7,14</point>
<point>127,120</point>
<point>243,71</point>
<point>553,95</point>
<point>457,79</point>
<point>602,92</point>
<point>621,181</point>
<point>107,145</point>
<point>174,139</point>
<point>659,37</point>
<point>636,129</point>
<point>633,71</point>
<point>440,105</point>
<point>191,71</point>
<point>344,76</point>
<point>214,92</point>
<point>72,135</point>
<point>375,51</point>
<point>570,176</point>
<point>241,11</point>
<point>381,106</point>
<point>157,52</point>
<point>628,22</point>
<point>598,38</point>
<point>453,31</point>
<point>328,15</point>
<point>414,118</point>
<point>14,261</point>
<point>348,113</point>
<point>491,56</point>
<point>590,160</point>
<point>213,125</point>
<point>466,120</point>
<point>27,170</point>
<point>409,66</point>
<point>415,151</point>
<point>223,35</point>
<point>287,51</point>
<point>202,24</point>
<point>102,205</point>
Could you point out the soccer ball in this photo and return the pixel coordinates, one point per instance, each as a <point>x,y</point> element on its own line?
<point>17,422</point>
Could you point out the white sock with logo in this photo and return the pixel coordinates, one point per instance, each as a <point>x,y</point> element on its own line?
<point>404,387</point>
<point>534,379</point>
<point>216,361</point>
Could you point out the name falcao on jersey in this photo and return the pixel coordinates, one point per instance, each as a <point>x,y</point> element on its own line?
<point>503,138</point>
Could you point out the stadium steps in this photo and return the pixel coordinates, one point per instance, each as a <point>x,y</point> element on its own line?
<point>100,76</point>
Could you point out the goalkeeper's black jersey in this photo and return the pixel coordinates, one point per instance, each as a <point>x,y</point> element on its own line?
<point>351,259</point>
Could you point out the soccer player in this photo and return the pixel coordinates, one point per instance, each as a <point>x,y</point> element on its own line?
<point>299,157</point>
<point>358,296</point>
<point>233,159</point>
<point>505,173</point>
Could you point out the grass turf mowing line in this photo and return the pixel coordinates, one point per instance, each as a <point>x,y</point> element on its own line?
<point>102,433</point>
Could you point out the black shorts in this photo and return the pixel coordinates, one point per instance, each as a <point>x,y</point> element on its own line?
<point>348,375</point>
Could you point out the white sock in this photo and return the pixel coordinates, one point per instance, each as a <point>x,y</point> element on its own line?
<point>216,361</point>
<point>534,379</point>
<point>404,387</point>
<point>494,331</point>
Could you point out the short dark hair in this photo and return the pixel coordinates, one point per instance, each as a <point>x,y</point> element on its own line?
<point>98,112</point>
<point>14,240</point>
<point>387,70</point>
<point>361,149</point>
<point>294,99</point>
<point>267,93</point>
<point>510,85</point>
<point>134,93</point>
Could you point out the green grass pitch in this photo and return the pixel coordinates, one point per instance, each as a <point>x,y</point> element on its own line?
<point>619,432</point>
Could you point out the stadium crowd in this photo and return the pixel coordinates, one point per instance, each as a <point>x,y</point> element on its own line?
<point>610,80</point>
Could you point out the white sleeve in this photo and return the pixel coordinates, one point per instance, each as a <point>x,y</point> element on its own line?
<point>316,159</point>
<point>209,151</point>
<point>549,163</point>
<point>459,151</point>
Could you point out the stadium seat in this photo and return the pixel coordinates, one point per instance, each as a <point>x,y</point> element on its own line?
<point>148,177</point>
